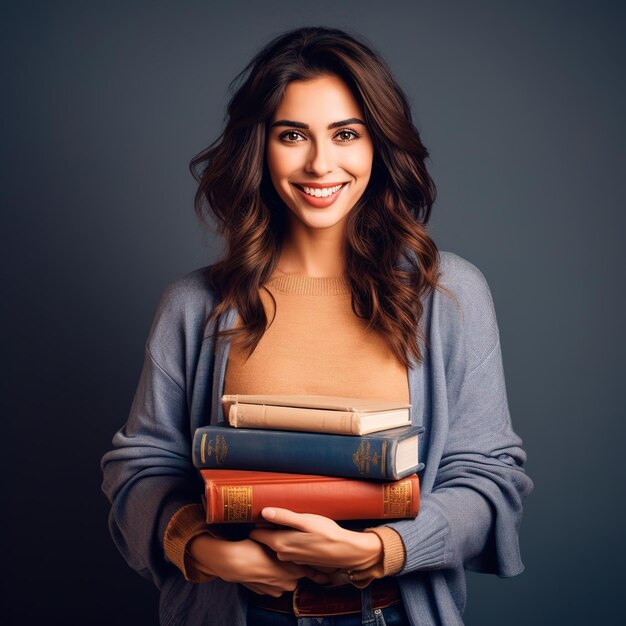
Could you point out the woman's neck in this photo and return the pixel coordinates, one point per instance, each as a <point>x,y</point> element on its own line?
<point>319,255</point>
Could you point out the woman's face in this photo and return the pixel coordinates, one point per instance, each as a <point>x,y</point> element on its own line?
<point>317,140</point>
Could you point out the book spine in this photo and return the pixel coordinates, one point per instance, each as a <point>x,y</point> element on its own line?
<point>287,451</point>
<point>348,499</point>
<point>242,415</point>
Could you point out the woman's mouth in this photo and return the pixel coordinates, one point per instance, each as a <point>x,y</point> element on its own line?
<point>326,197</point>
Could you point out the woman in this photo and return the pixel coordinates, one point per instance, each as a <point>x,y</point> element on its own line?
<point>329,285</point>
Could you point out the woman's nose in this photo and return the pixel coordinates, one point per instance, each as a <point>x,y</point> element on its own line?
<point>319,159</point>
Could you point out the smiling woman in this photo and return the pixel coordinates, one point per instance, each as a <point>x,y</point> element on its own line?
<point>330,285</point>
<point>317,164</point>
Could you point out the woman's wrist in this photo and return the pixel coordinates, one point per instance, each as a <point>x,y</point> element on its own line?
<point>207,553</point>
<point>370,548</point>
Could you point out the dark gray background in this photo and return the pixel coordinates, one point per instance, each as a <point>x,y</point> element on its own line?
<point>103,105</point>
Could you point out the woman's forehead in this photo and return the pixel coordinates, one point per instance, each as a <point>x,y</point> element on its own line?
<point>323,98</point>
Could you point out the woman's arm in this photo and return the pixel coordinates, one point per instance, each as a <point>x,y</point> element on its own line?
<point>248,563</point>
<point>317,541</point>
<point>148,475</point>
<point>203,556</point>
<point>472,514</point>
<point>471,504</point>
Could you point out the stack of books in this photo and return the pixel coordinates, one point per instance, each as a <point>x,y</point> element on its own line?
<point>344,458</point>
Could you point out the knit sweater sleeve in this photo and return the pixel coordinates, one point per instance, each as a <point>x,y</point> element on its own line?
<point>186,524</point>
<point>474,483</point>
<point>148,475</point>
<point>392,560</point>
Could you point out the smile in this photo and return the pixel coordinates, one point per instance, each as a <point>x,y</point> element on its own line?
<point>320,197</point>
<point>320,192</point>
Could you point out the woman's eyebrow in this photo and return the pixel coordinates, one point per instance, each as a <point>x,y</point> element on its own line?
<point>352,120</point>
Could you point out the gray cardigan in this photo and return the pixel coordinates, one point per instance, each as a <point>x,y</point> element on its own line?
<point>472,488</point>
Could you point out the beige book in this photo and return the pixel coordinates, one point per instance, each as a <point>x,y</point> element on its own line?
<point>322,414</point>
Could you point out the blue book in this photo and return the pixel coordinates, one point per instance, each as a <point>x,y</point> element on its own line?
<point>385,455</point>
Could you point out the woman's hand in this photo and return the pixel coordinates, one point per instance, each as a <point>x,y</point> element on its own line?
<point>318,541</point>
<point>249,563</point>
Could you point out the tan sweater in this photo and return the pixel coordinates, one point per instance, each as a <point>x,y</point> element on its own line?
<point>314,345</point>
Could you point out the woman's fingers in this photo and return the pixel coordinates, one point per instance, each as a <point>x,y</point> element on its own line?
<point>308,529</point>
<point>274,539</point>
<point>324,544</point>
<point>285,517</point>
<point>277,590</point>
<point>318,541</point>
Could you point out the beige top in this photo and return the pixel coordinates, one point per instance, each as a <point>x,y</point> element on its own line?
<point>315,345</point>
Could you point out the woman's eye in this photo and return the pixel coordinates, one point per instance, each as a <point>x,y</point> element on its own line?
<point>348,135</point>
<point>289,136</point>
<point>344,136</point>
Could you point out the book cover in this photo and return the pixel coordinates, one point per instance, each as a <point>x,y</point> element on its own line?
<point>238,496</point>
<point>267,416</point>
<point>386,455</point>
<point>335,403</point>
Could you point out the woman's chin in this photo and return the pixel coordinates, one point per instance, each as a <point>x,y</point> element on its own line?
<point>320,219</point>
<point>320,222</point>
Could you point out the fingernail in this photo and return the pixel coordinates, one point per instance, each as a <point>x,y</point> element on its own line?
<point>269,513</point>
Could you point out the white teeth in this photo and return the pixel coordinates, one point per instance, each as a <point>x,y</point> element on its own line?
<point>322,193</point>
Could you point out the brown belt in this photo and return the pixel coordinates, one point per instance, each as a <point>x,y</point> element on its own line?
<point>310,599</point>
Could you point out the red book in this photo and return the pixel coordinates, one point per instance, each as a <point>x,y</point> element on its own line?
<point>236,496</point>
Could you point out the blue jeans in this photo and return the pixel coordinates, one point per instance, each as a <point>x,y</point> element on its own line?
<point>393,615</point>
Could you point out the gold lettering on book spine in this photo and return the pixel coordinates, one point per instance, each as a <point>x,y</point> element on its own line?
<point>397,499</point>
<point>237,504</point>
<point>207,448</point>
<point>363,457</point>
<point>221,449</point>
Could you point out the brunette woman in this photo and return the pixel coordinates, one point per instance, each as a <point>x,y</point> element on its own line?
<point>330,284</point>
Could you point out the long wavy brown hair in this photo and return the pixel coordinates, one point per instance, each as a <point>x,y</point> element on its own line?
<point>385,227</point>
